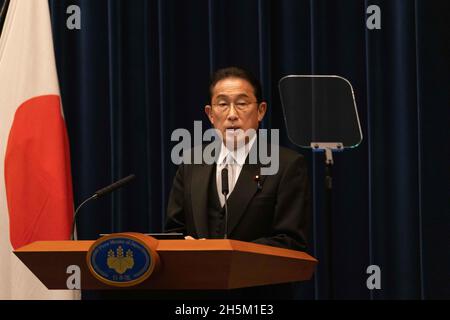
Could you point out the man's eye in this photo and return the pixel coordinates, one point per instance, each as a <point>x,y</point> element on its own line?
<point>222,104</point>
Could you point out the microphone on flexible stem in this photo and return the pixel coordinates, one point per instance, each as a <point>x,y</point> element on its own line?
<point>100,193</point>
<point>225,191</point>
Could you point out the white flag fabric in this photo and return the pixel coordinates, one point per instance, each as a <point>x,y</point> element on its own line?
<point>36,201</point>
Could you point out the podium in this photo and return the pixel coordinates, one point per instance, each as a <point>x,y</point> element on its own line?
<point>184,264</point>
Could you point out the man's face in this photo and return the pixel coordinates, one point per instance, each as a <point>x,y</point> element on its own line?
<point>234,106</point>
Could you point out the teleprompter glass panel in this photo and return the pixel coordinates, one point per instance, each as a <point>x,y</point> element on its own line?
<point>320,109</point>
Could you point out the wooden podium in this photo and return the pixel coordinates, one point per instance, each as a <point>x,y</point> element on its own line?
<point>184,264</point>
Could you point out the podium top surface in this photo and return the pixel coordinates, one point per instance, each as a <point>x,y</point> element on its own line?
<point>173,245</point>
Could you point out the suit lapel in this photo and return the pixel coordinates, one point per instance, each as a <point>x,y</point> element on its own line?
<point>245,189</point>
<point>243,192</point>
<point>199,195</point>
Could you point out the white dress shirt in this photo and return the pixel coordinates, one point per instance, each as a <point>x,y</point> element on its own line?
<point>233,160</point>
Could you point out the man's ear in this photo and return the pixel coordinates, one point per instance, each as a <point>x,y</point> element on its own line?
<point>208,111</point>
<point>262,108</point>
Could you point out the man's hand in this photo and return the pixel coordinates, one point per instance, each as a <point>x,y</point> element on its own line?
<point>191,238</point>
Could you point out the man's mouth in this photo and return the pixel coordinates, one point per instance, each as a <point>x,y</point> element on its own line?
<point>232,128</point>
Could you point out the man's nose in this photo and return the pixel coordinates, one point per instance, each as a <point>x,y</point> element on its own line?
<point>232,114</point>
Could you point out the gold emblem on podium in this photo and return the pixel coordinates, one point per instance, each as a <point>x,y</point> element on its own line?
<point>123,259</point>
<point>118,262</point>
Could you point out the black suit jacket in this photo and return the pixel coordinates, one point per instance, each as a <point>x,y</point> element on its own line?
<point>277,213</point>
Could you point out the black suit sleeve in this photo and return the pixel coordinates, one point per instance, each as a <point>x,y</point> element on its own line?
<point>292,209</point>
<point>175,221</point>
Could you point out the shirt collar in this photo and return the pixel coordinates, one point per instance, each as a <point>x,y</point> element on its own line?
<point>239,155</point>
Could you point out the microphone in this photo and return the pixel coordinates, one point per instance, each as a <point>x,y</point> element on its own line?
<point>100,193</point>
<point>225,191</point>
<point>225,188</point>
<point>114,186</point>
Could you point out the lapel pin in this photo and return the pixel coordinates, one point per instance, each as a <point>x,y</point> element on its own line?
<point>257,179</point>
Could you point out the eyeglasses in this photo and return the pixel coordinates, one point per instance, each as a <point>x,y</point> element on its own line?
<point>240,105</point>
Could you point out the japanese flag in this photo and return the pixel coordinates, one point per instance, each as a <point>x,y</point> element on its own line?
<point>35,180</point>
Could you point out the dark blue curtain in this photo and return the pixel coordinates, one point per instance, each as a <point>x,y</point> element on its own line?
<point>137,70</point>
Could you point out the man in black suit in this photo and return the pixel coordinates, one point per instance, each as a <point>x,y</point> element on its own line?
<point>273,209</point>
